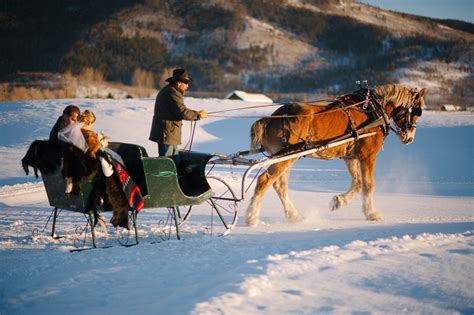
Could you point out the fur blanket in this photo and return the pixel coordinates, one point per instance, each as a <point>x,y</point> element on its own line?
<point>43,155</point>
<point>79,166</point>
<point>108,194</point>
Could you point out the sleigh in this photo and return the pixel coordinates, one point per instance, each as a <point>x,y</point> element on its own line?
<point>176,185</point>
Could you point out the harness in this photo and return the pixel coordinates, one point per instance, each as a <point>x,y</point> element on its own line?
<point>376,117</point>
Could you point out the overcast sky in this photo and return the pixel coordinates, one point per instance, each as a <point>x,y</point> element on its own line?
<point>441,9</point>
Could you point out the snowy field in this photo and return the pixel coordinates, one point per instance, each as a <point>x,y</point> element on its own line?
<point>419,260</point>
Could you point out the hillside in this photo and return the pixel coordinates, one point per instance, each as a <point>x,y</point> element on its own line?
<point>284,46</point>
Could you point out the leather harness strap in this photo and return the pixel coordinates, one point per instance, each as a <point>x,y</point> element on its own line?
<point>376,118</point>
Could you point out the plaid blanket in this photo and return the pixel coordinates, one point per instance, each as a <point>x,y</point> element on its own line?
<point>131,190</point>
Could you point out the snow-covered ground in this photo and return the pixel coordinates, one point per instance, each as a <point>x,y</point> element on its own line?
<point>419,260</point>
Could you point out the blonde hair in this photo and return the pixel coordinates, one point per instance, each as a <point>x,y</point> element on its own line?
<point>87,117</point>
<point>92,141</point>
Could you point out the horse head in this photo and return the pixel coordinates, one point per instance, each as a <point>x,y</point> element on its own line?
<point>408,107</point>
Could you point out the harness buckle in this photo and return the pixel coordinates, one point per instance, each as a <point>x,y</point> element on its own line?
<point>366,104</point>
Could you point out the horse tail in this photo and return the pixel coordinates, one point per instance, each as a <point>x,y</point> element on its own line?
<point>257,132</point>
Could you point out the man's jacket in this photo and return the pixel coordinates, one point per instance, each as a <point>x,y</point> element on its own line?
<point>60,124</point>
<point>169,113</point>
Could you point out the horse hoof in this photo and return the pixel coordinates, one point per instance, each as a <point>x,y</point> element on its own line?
<point>374,217</point>
<point>252,222</point>
<point>336,203</point>
<point>296,218</point>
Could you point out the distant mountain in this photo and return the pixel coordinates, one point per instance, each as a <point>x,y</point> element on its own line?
<point>285,46</point>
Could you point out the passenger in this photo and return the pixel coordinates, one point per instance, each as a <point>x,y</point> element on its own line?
<point>86,160</point>
<point>70,115</point>
<point>169,113</point>
<point>79,164</point>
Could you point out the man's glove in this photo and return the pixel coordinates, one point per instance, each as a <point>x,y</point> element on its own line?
<point>202,114</point>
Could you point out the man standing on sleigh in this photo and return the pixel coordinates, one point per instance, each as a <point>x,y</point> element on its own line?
<point>169,113</point>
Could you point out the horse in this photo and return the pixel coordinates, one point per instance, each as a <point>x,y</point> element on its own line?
<point>295,127</point>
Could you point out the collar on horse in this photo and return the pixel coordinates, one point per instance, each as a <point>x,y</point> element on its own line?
<point>369,103</point>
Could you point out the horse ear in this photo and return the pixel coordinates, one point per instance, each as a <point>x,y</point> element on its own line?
<point>421,93</point>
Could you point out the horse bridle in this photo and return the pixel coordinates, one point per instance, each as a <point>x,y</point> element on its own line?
<point>408,113</point>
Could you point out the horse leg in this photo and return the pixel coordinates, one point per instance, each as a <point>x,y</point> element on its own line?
<point>281,187</point>
<point>353,166</point>
<point>367,167</point>
<point>264,181</point>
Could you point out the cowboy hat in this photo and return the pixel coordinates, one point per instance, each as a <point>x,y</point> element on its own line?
<point>180,75</point>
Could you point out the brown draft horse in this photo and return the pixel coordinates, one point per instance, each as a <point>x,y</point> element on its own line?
<point>304,125</point>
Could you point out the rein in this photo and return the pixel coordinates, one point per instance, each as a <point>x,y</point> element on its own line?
<point>191,136</point>
<point>256,106</point>
<point>247,107</point>
<point>210,114</point>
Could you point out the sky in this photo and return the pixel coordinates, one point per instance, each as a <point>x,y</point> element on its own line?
<point>440,9</point>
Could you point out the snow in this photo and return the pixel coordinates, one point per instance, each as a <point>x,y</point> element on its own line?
<point>430,74</point>
<point>286,50</point>
<point>249,97</point>
<point>420,259</point>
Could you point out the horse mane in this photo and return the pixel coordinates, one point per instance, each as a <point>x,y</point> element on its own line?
<point>396,94</point>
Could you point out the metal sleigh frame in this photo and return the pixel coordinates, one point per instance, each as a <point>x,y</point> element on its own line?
<point>253,164</point>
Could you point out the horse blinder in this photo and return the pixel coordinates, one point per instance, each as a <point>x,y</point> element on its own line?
<point>416,111</point>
